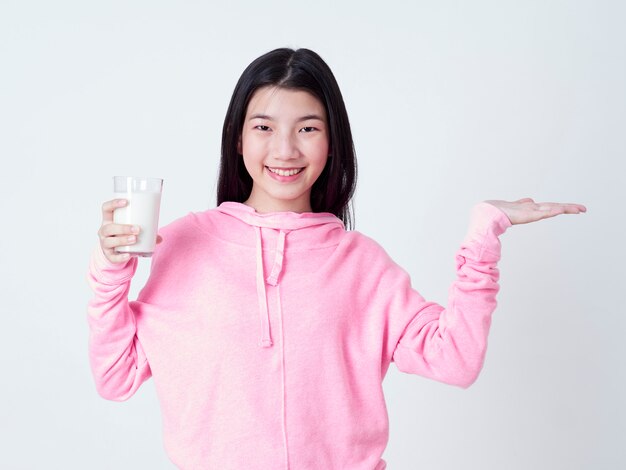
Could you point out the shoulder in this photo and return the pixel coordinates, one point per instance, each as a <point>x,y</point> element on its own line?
<point>371,264</point>
<point>185,231</point>
<point>363,246</point>
<point>193,223</point>
<point>359,239</point>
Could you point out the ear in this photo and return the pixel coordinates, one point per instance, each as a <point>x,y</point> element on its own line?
<point>239,150</point>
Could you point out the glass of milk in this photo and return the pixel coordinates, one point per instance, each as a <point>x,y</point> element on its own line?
<point>144,200</point>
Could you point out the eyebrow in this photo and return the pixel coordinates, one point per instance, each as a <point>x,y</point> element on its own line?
<point>303,118</point>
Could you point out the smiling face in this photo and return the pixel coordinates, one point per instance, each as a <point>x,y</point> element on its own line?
<point>285,144</point>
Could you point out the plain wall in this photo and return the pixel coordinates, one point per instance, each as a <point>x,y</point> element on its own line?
<point>451,103</point>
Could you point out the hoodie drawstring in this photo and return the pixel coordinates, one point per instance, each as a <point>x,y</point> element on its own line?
<point>317,225</point>
<point>278,260</point>
<point>266,339</point>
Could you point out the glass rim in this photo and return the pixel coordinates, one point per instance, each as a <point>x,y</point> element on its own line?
<point>153,178</point>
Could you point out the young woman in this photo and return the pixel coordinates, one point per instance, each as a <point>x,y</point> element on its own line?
<point>267,326</point>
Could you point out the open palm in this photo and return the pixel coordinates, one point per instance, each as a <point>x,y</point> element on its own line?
<point>527,210</point>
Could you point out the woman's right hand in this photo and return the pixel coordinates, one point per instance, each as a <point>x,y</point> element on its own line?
<point>113,235</point>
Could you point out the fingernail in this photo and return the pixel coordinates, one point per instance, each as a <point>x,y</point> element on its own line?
<point>131,238</point>
<point>134,229</point>
<point>121,202</point>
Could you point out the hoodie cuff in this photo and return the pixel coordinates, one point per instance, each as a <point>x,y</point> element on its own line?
<point>110,273</point>
<point>487,223</point>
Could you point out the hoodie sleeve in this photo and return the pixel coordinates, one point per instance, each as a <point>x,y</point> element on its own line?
<point>449,344</point>
<point>118,363</point>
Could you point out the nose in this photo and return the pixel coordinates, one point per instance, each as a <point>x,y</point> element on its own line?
<point>285,146</point>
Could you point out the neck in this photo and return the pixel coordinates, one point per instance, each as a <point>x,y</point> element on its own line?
<point>263,207</point>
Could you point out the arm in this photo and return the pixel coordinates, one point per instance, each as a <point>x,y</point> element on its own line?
<point>449,344</point>
<point>118,363</point>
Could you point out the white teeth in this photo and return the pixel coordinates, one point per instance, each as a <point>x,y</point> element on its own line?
<point>280,172</point>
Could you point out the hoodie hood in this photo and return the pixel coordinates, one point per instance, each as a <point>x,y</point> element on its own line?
<point>316,224</point>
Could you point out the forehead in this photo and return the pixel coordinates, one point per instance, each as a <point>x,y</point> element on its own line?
<point>283,102</point>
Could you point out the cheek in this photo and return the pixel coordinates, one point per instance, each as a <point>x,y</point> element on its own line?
<point>320,150</point>
<point>319,162</point>
<point>250,148</point>
<point>318,145</point>
<point>251,162</point>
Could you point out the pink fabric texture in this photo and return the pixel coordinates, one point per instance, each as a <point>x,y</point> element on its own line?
<point>268,335</point>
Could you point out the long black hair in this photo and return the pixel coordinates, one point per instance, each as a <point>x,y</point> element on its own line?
<point>300,69</point>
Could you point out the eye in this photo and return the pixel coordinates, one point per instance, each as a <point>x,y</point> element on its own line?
<point>262,128</point>
<point>308,129</point>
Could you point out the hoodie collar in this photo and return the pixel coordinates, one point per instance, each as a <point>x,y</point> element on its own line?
<point>284,223</point>
<point>278,220</point>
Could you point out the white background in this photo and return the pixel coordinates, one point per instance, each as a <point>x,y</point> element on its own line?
<point>451,103</point>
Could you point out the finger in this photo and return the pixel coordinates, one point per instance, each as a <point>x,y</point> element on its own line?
<point>578,207</point>
<point>554,211</point>
<point>526,199</point>
<point>122,240</point>
<point>118,257</point>
<point>547,211</point>
<point>565,208</point>
<point>109,207</point>
<point>574,208</point>
<point>112,230</point>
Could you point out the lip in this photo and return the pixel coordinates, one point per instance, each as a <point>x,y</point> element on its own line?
<point>284,179</point>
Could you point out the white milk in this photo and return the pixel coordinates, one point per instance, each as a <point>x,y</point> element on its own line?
<point>143,210</point>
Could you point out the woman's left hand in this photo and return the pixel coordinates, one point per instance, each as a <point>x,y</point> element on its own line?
<point>526,210</point>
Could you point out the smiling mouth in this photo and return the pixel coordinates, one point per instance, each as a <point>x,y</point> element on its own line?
<point>285,172</point>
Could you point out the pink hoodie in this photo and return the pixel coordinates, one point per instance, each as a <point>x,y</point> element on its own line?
<point>268,335</point>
